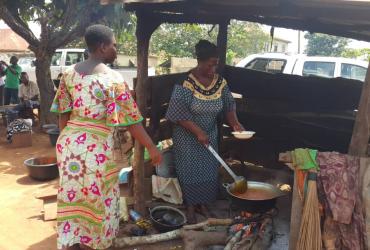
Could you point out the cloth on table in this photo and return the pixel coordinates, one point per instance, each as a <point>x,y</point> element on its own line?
<point>339,181</point>
<point>305,159</point>
<point>196,167</point>
<point>17,126</point>
<point>167,189</point>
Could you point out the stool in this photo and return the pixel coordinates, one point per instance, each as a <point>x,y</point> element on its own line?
<point>22,139</point>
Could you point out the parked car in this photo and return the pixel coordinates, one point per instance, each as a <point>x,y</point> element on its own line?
<point>64,58</point>
<point>302,65</point>
<point>26,62</point>
<point>27,65</point>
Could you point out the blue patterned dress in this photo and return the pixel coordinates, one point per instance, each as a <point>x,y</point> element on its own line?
<point>196,167</point>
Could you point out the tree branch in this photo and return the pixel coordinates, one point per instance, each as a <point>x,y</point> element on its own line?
<point>82,18</point>
<point>18,26</point>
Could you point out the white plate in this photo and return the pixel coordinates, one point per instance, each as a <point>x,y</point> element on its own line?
<point>243,134</point>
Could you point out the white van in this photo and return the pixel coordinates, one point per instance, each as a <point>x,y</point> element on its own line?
<point>306,65</point>
<point>64,58</point>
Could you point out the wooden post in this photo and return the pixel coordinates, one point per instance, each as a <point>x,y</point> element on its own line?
<point>144,30</point>
<point>361,130</point>
<point>222,44</point>
<point>296,215</point>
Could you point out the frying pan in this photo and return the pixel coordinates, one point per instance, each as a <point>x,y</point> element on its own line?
<point>261,203</point>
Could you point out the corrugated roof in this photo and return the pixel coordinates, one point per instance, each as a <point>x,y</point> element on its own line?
<point>11,42</point>
<point>347,18</point>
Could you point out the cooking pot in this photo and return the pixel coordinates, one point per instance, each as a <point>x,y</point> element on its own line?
<point>259,198</point>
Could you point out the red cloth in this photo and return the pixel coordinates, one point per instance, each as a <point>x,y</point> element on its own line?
<point>339,182</point>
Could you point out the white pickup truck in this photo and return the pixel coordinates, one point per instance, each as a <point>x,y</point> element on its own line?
<point>306,65</point>
<point>64,58</point>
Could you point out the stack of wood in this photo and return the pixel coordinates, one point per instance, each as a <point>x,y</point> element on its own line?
<point>223,232</point>
<point>194,236</point>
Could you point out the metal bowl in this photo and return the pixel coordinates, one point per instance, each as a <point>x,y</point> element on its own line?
<point>42,168</point>
<point>46,127</point>
<point>166,218</point>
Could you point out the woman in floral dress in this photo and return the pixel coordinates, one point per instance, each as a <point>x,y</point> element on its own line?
<point>92,99</point>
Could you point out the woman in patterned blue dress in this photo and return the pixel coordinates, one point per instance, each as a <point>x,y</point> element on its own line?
<point>195,105</point>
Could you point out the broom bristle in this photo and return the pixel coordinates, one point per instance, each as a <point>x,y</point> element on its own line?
<point>310,231</point>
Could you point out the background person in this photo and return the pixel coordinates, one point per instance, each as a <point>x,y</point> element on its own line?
<point>28,93</point>
<point>12,73</point>
<point>2,83</point>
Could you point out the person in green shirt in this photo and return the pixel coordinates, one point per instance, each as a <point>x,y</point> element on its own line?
<point>12,73</point>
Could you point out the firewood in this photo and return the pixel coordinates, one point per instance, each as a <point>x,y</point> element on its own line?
<point>209,222</point>
<point>231,243</point>
<point>149,239</point>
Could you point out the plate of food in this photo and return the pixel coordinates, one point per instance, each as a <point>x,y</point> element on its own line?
<point>243,134</point>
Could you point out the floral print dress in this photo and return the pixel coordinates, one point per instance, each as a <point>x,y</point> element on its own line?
<point>88,195</point>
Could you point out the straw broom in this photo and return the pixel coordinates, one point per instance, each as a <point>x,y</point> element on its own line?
<point>310,231</point>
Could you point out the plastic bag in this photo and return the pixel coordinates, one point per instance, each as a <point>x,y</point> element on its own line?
<point>167,189</point>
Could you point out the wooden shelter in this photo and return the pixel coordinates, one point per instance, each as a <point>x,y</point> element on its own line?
<point>344,18</point>
<point>10,42</point>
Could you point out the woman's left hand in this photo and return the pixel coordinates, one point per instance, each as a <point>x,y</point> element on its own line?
<point>238,127</point>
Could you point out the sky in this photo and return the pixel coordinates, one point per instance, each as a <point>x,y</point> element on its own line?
<point>292,35</point>
<point>287,34</point>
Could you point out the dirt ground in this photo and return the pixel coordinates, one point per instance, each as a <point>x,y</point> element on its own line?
<point>22,225</point>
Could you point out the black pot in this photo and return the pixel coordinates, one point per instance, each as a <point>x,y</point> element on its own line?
<point>166,218</point>
<point>53,135</point>
<point>42,168</point>
<point>47,127</point>
<point>257,205</point>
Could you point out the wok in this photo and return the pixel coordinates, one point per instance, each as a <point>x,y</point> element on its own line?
<point>259,198</point>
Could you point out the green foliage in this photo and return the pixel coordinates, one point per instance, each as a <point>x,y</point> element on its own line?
<point>179,39</point>
<point>125,34</point>
<point>357,53</point>
<point>325,45</point>
<point>245,38</point>
<point>55,11</point>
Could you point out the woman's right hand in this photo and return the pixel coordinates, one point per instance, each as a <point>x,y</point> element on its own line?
<point>155,155</point>
<point>203,138</point>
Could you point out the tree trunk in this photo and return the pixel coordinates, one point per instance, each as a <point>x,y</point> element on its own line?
<point>46,87</point>
<point>361,130</point>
